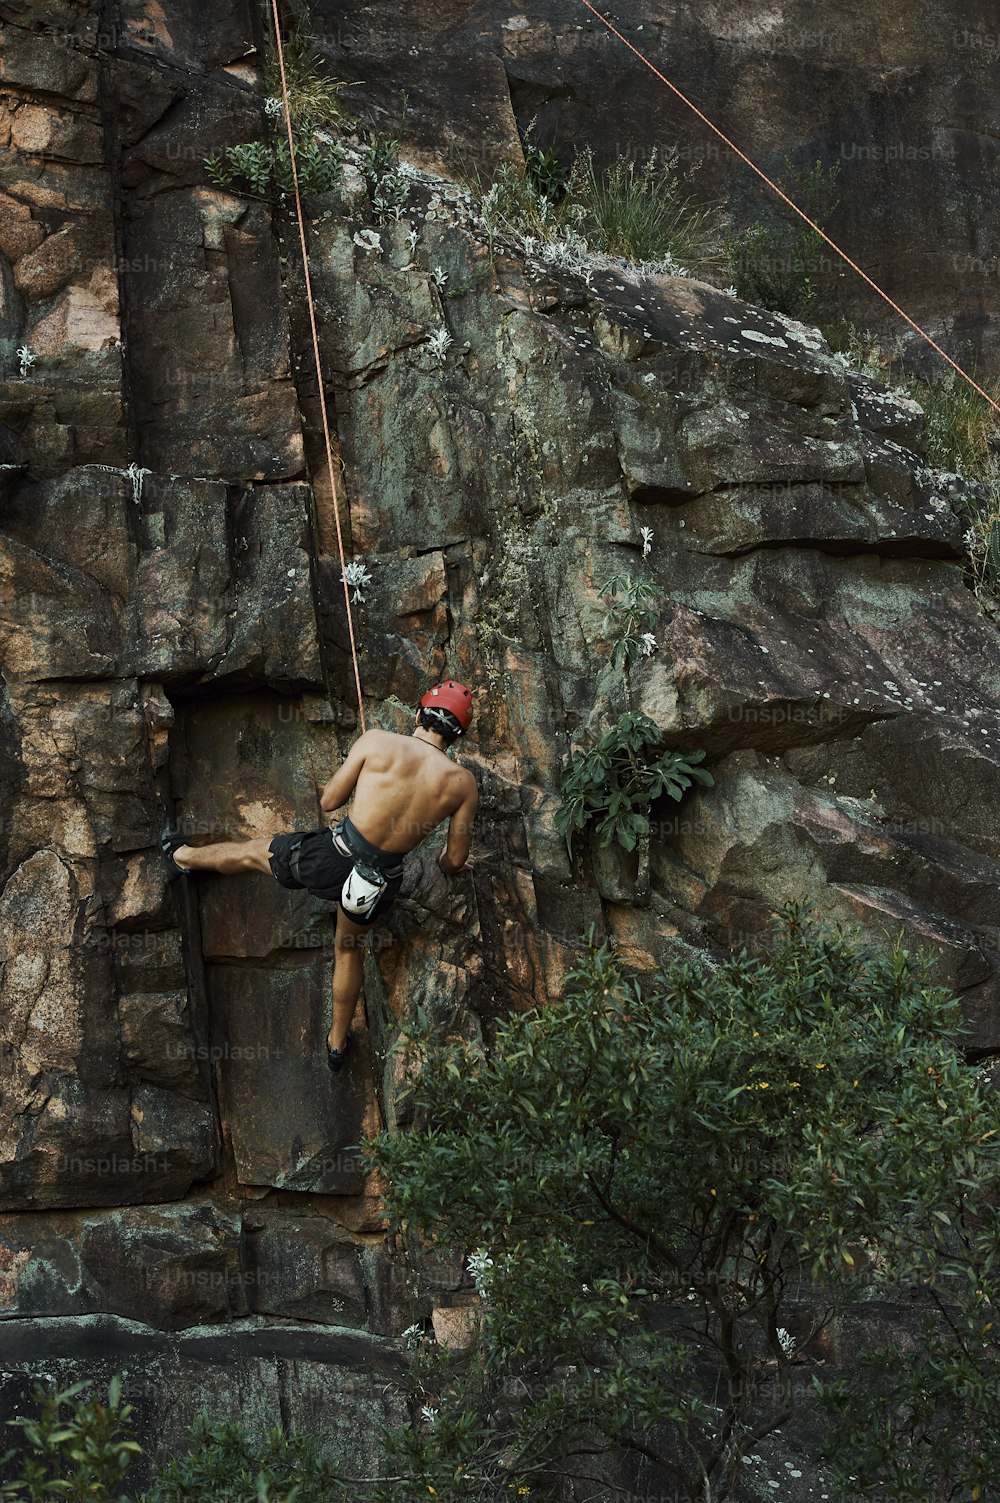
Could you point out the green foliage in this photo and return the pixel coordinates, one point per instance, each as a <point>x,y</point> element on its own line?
<point>613,784</point>
<point>930,1426</point>
<point>256,166</point>
<point>80,1449</point>
<point>546,173</point>
<point>641,211</point>
<point>223,1464</point>
<point>630,617</point>
<point>776,260</point>
<point>665,1180</point>
<point>76,1448</point>
<point>381,156</point>
<point>962,435</point>
<point>960,426</point>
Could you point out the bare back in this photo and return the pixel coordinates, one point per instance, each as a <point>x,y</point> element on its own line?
<point>405,786</point>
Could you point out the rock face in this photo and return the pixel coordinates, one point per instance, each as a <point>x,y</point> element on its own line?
<point>182,1184</point>
<point>900,97</point>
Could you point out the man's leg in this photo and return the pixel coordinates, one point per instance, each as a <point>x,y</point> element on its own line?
<point>348,974</point>
<point>227,856</point>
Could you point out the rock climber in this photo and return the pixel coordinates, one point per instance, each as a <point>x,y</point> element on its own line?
<point>403,785</point>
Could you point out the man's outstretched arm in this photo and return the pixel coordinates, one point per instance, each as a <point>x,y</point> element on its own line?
<point>340,787</point>
<point>456,852</point>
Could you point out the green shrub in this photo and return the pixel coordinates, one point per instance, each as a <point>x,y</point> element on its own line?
<point>613,784</point>
<point>222,1464</point>
<point>76,1448</point>
<point>257,166</point>
<point>673,1186</point>
<point>546,173</point>
<point>776,260</point>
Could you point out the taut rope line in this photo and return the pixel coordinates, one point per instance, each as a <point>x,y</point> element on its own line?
<point>316,357</point>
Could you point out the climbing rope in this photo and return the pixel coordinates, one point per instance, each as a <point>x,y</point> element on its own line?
<point>784,196</point>
<point>316,357</point>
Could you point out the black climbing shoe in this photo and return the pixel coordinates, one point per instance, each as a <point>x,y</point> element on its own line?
<point>170,839</point>
<point>336,1058</point>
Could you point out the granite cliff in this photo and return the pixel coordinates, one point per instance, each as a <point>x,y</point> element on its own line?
<point>181,1187</point>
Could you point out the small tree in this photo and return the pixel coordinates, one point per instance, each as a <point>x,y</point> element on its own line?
<point>673,1189</point>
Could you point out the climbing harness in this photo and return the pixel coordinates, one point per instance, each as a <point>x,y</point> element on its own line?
<point>802,215</point>
<point>316,357</point>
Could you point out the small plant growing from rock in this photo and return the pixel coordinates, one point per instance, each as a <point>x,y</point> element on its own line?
<point>630,618</point>
<point>612,785</point>
<point>313,97</point>
<point>257,165</point>
<point>641,211</point>
<point>775,260</point>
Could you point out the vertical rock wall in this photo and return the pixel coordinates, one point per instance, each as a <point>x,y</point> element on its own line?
<point>181,1181</point>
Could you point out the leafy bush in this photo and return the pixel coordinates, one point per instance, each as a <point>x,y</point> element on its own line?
<point>77,1448</point>
<point>776,260</point>
<point>674,1187</point>
<point>80,1449</point>
<point>223,1464</point>
<point>546,173</point>
<point>257,165</point>
<point>613,784</point>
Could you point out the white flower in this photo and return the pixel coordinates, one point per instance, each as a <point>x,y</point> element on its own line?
<point>786,1341</point>
<point>136,473</point>
<point>648,644</point>
<point>730,292</point>
<point>273,107</point>
<point>440,276</point>
<point>369,240</point>
<point>969,539</point>
<point>26,357</point>
<point>429,1414</point>
<point>647,540</point>
<point>411,239</point>
<point>356,576</point>
<point>438,343</point>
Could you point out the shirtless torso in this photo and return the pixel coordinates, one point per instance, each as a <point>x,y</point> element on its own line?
<point>403,786</point>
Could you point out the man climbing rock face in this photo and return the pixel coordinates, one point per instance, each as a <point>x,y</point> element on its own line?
<point>403,786</point>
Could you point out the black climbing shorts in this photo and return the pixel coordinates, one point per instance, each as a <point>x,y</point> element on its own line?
<point>312,859</point>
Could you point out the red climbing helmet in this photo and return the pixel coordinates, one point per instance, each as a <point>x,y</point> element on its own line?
<point>455,698</point>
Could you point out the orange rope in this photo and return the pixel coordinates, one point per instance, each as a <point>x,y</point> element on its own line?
<point>316,357</point>
<point>832,244</point>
